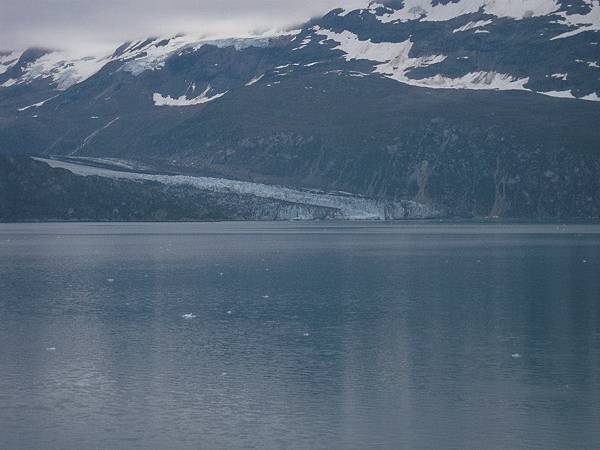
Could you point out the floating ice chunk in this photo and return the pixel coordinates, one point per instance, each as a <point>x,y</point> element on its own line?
<point>516,355</point>
<point>51,349</point>
<point>229,312</point>
<point>188,316</point>
<point>110,280</point>
<point>306,334</point>
<point>265,296</point>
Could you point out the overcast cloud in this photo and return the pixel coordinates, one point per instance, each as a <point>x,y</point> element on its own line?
<point>101,24</point>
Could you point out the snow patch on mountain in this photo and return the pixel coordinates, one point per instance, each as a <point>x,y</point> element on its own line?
<point>393,55</point>
<point>62,69</point>
<point>7,60</point>
<point>367,5</point>
<point>354,48</point>
<point>582,22</point>
<point>593,97</point>
<point>426,10</point>
<point>559,94</point>
<point>255,80</point>
<point>560,76</point>
<point>8,83</point>
<point>476,81</point>
<point>160,100</point>
<point>473,25</point>
<point>396,64</point>
<point>38,104</point>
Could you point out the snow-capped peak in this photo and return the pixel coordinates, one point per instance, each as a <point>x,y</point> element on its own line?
<point>65,69</point>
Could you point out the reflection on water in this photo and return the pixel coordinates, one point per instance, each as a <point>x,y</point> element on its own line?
<point>318,335</point>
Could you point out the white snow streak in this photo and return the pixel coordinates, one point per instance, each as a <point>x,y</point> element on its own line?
<point>160,100</point>
<point>473,25</point>
<point>255,80</point>
<point>38,104</point>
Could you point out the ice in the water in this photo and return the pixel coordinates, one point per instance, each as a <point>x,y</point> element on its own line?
<point>516,355</point>
<point>265,296</point>
<point>51,349</point>
<point>188,316</point>
<point>221,274</point>
<point>110,280</point>
<point>306,334</point>
<point>230,312</point>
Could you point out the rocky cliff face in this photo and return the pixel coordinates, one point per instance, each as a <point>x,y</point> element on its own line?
<point>473,107</point>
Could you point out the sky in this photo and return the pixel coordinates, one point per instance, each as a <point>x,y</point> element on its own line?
<point>89,25</point>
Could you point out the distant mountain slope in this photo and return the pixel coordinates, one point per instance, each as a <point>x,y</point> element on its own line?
<point>475,107</point>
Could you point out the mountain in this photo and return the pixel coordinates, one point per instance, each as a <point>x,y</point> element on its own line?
<point>469,107</point>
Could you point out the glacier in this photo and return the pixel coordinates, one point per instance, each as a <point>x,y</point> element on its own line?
<point>346,206</point>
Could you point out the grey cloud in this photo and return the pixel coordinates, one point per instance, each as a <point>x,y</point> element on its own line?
<point>95,24</point>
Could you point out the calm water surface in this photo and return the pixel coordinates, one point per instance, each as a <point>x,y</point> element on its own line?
<point>309,336</point>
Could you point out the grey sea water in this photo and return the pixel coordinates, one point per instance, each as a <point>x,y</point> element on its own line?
<point>299,335</point>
